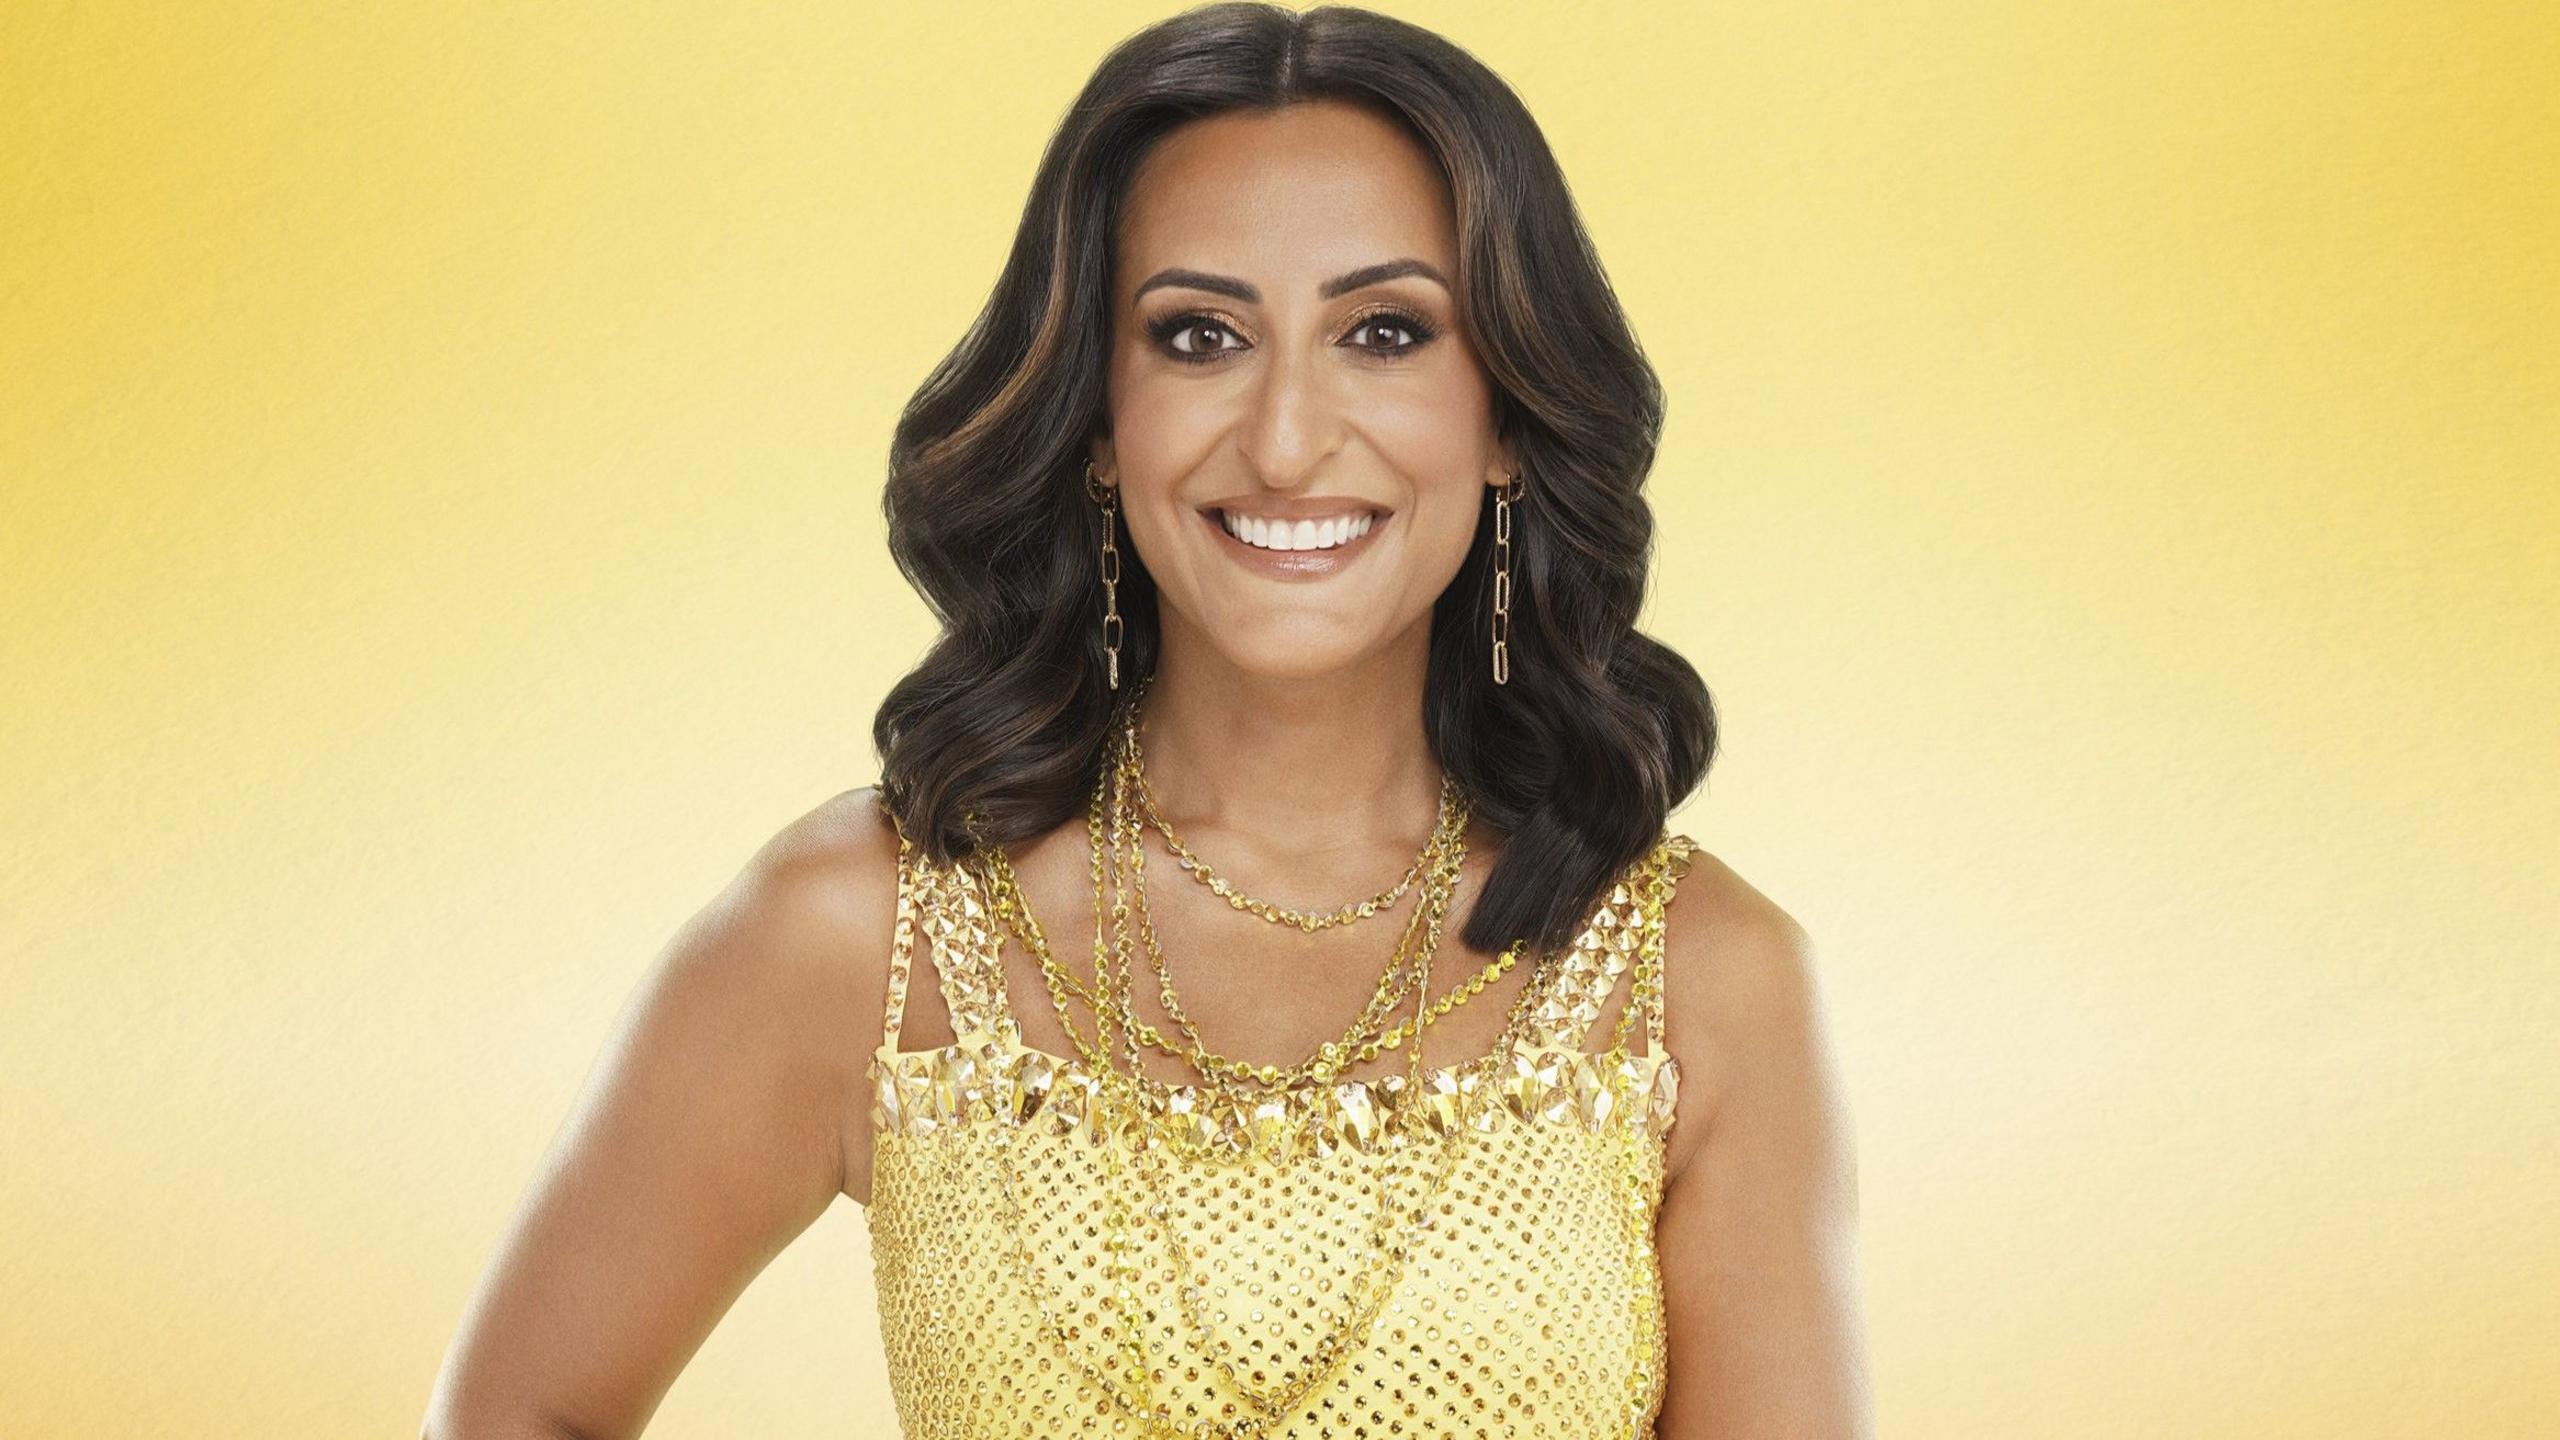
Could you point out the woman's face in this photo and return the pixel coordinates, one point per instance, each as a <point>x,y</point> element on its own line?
<point>1285,347</point>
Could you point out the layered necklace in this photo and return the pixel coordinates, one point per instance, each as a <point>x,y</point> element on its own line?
<point>1229,1102</point>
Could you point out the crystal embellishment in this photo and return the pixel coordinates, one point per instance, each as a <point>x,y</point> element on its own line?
<point>1002,1081</point>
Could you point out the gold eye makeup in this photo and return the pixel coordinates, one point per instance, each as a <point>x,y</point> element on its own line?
<point>1180,334</point>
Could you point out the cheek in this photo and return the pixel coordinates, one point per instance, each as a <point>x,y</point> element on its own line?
<point>1147,397</point>
<point>1437,431</point>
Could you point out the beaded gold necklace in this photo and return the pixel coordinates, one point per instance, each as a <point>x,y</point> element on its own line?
<point>1369,1033</point>
<point>1415,1174</point>
<point>1308,921</point>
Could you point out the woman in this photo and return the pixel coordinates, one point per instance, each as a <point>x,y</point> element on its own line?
<point>1282,512</point>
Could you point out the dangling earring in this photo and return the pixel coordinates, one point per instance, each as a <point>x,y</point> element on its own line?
<point>1108,498</point>
<point>1502,498</point>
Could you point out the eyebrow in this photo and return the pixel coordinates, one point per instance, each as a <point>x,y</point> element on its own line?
<point>1342,284</point>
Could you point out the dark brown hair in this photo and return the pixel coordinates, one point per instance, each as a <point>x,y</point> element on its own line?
<point>1600,730</point>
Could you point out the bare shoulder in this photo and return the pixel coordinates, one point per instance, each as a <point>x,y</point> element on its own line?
<point>800,938</point>
<point>1734,955</point>
<point>828,878</point>
<point>1758,1226</point>
<point>711,1131</point>
<point>1742,995</point>
<point>834,872</point>
<point>810,909</point>
<point>820,905</point>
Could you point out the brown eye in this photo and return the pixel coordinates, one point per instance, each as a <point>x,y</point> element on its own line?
<point>1374,328</point>
<point>1174,333</point>
<point>1390,323</point>
<point>1208,327</point>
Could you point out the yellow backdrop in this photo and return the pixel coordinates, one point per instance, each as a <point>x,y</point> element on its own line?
<point>2110,487</point>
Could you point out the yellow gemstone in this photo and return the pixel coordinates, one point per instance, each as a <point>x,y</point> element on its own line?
<point>955,1081</point>
<point>1663,1095</point>
<point>915,1093</point>
<point>1187,1119</point>
<point>1628,1077</point>
<point>1444,1099</point>
<point>994,1060</point>
<point>1230,1132</point>
<point>1318,1133</point>
<point>1594,1098</point>
<point>887,1113</point>
<point>1129,1121</point>
<point>1533,1086</point>
<point>1353,1113</point>
<point>1269,1130</point>
<point>1073,1108</point>
<point>1031,1077</point>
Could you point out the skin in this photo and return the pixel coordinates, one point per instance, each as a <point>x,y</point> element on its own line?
<point>732,1106</point>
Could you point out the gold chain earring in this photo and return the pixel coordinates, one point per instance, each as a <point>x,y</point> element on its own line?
<point>1502,499</point>
<point>1109,499</point>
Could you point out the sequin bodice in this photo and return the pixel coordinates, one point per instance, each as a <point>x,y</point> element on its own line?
<point>1525,1300</point>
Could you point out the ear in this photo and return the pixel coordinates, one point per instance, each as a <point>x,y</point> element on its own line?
<point>1503,467</point>
<point>1104,459</point>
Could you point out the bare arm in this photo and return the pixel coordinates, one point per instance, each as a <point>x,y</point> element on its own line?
<point>1759,1217</point>
<point>718,1124</point>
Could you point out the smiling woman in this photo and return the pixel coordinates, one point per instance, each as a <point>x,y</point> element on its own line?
<point>1302,303</point>
<point>1316,376</point>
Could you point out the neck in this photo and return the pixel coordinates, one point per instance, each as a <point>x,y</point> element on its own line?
<point>1283,770</point>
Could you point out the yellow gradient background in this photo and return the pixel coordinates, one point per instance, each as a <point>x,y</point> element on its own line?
<point>2110,488</point>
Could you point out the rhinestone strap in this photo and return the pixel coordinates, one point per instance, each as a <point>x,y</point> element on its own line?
<point>902,945</point>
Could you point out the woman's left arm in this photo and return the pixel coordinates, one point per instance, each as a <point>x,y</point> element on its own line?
<point>1758,1227</point>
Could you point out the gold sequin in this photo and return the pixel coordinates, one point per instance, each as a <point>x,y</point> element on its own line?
<point>1525,1300</point>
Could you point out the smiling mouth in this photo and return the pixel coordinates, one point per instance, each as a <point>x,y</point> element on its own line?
<point>1290,535</point>
<point>1334,544</point>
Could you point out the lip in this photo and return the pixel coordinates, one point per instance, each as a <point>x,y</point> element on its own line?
<point>1293,564</point>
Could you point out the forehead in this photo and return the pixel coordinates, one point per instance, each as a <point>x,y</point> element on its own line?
<point>1308,190</point>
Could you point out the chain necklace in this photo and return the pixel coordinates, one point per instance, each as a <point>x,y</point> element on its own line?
<point>1123,1095</point>
<point>1004,894</point>
<point>1013,912</point>
<point>1390,1238</point>
<point>1364,1041</point>
<point>1450,819</point>
<point>1003,891</point>
<point>1306,921</point>
<point>1120,1271</point>
<point>1365,1030</point>
<point>1263,1410</point>
<point>1116,1091</point>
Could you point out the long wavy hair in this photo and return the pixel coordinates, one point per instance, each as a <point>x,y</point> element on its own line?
<point>1600,730</point>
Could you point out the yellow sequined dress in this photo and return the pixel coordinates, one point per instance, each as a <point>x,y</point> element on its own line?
<point>1525,1301</point>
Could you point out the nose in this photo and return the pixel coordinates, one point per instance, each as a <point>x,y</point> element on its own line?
<point>1295,421</point>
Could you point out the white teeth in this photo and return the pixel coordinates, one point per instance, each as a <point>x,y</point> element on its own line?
<point>1302,535</point>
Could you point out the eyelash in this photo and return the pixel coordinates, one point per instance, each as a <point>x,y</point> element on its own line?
<point>1163,331</point>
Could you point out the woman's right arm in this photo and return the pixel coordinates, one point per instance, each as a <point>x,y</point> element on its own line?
<point>728,1110</point>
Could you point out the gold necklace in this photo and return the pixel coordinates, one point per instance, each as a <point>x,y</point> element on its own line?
<point>1381,1269</point>
<point>1002,888</point>
<point>1359,1044</point>
<point>1393,983</point>
<point>1449,818</point>
<point>1277,914</point>
<point>1013,912</point>
<point>1392,1242</point>
<point>1391,1236</point>
<point>1356,1047</point>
